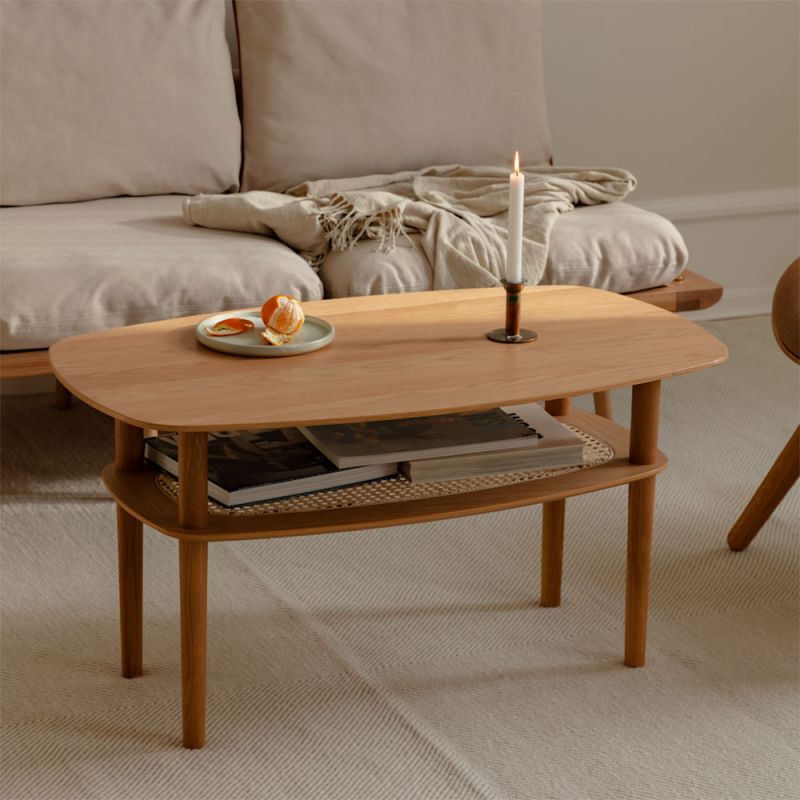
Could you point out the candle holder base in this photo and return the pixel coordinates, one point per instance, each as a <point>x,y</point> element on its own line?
<point>500,335</point>
<point>512,333</point>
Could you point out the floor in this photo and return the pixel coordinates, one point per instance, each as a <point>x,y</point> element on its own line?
<point>415,662</point>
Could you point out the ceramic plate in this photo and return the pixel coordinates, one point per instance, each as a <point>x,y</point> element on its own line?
<point>314,334</point>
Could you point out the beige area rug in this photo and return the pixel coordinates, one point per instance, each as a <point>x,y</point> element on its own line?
<point>415,662</point>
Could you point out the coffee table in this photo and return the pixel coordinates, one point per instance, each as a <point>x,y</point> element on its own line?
<point>393,356</point>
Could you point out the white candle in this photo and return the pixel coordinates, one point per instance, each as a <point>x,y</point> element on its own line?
<point>516,204</point>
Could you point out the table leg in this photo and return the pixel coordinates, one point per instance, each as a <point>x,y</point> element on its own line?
<point>130,554</point>
<point>602,404</point>
<point>641,501</point>
<point>193,480</point>
<point>558,407</point>
<point>552,552</point>
<point>553,528</point>
<point>193,513</point>
<point>194,582</point>
<point>63,396</point>
<point>129,453</point>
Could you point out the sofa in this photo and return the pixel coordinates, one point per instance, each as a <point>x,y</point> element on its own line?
<point>113,111</point>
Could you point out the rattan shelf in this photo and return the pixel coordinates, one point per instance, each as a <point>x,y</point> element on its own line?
<point>140,495</point>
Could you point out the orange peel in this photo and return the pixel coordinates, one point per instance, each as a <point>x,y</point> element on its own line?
<point>274,338</point>
<point>230,327</point>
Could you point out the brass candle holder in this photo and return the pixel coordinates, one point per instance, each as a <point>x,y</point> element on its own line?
<point>512,333</point>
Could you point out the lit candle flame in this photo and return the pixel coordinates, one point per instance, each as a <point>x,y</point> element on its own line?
<point>516,163</point>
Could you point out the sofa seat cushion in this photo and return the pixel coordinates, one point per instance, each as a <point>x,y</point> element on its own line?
<point>79,267</point>
<point>615,246</point>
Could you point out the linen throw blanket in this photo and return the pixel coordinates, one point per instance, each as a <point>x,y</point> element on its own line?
<point>460,212</point>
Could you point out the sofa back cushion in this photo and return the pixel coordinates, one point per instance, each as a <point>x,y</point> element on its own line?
<point>115,97</point>
<point>335,88</point>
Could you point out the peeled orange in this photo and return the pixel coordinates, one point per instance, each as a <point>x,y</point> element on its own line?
<point>282,315</point>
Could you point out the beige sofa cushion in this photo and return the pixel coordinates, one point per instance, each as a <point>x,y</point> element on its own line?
<point>78,267</point>
<point>115,97</point>
<point>615,246</point>
<point>347,88</point>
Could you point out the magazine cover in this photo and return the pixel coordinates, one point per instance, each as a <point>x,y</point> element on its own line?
<point>254,458</point>
<point>420,437</point>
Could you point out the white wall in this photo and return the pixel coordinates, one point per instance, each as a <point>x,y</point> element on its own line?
<point>701,100</point>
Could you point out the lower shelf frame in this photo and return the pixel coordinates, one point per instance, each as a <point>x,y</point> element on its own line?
<point>139,495</point>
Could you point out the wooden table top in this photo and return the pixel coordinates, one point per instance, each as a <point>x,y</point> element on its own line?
<point>393,356</point>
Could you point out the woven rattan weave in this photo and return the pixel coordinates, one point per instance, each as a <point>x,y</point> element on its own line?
<point>398,488</point>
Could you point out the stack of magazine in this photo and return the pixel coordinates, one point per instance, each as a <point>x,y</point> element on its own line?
<point>255,466</point>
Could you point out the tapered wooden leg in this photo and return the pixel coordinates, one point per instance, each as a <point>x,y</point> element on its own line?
<point>128,457</point>
<point>553,528</point>
<point>193,479</point>
<point>558,407</point>
<point>63,399</point>
<point>777,482</point>
<point>552,552</point>
<point>128,447</point>
<point>641,501</point>
<point>194,579</point>
<point>602,404</point>
<point>193,513</point>
<point>130,552</point>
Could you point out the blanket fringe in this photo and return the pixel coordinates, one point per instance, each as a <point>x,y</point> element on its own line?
<point>314,259</point>
<point>343,225</point>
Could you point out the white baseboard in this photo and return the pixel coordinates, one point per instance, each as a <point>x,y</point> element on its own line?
<point>729,204</point>
<point>742,240</point>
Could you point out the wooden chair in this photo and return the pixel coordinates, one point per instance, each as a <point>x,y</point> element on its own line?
<point>786,469</point>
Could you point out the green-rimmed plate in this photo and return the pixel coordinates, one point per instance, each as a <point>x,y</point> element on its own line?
<point>315,334</point>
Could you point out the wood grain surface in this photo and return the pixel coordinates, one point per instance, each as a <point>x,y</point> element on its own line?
<point>129,457</point>
<point>552,552</point>
<point>688,293</point>
<point>691,292</point>
<point>25,364</point>
<point>193,476</point>
<point>783,474</point>
<point>393,356</point>
<point>193,564</point>
<point>641,504</point>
